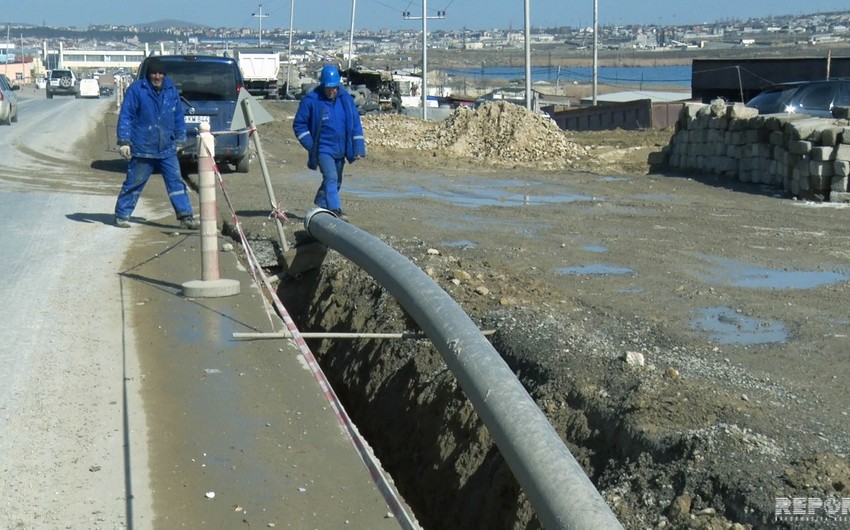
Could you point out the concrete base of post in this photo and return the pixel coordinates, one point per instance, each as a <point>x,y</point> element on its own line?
<point>210,288</point>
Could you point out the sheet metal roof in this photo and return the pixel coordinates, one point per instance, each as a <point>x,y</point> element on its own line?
<point>656,96</point>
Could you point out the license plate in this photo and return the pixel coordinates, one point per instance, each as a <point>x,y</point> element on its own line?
<point>197,119</point>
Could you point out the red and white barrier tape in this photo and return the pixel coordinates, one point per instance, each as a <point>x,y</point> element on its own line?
<point>376,471</point>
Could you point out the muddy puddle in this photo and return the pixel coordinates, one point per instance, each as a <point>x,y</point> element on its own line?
<point>460,243</point>
<point>595,249</point>
<point>735,273</point>
<point>462,223</point>
<point>724,325</point>
<point>595,269</point>
<point>469,191</point>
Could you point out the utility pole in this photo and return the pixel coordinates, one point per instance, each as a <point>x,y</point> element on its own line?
<point>289,55</point>
<point>6,61</point>
<point>595,51</point>
<point>527,55</point>
<point>260,16</point>
<point>351,34</point>
<point>424,17</point>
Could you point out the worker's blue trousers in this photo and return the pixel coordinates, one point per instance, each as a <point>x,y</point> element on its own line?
<point>139,171</point>
<point>328,194</point>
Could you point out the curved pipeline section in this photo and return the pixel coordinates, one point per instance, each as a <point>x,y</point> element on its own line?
<point>556,485</point>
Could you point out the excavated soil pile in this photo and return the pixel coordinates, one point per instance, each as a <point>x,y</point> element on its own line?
<point>501,132</point>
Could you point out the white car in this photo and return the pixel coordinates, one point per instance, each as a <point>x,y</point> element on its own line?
<point>8,101</point>
<point>89,88</point>
<point>62,81</point>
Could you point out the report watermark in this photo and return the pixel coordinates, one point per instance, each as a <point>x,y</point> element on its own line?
<point>812,509</point>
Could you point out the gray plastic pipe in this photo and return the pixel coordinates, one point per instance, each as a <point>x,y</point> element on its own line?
<point>556,485</point>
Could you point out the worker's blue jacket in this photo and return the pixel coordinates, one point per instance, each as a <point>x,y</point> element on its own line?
<point>308,125</point>
<point>151,123</point>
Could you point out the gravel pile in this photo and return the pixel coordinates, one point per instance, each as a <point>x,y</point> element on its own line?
<point>396,131</point>
<point>499,132</point>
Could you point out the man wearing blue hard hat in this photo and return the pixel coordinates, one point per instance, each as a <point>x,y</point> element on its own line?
<point>328,126</point>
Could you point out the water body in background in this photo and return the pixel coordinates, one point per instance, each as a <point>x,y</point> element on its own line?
<point>642,76</point>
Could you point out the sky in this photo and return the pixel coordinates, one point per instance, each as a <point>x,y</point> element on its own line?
<point>378,14</point>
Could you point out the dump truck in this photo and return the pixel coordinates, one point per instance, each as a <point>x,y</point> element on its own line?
<point>260,68</point>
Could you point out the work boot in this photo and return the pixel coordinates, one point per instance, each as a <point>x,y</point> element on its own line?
<point>120,222</point>
<point>189,223</point>
<point>340,215</point>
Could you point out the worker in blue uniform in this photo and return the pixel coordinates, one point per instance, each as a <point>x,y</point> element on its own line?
<point>150,133</point>
<point>328,126</point>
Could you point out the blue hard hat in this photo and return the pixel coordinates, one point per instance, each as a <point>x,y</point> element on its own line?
<point>329,77</point>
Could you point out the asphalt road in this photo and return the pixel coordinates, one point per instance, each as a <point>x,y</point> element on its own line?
<point>72,445</point>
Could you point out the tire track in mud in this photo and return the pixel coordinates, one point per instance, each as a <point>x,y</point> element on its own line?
<point>28,159</point>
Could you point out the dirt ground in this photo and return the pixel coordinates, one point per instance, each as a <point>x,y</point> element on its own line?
<point>686,335</point>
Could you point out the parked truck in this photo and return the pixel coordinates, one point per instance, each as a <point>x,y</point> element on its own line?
<point>260,68</point>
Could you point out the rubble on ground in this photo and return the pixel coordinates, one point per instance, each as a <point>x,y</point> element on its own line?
<point>501,133</point>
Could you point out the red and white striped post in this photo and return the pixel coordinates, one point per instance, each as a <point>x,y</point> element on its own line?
<point>210,284</point>
<point>209,230</point>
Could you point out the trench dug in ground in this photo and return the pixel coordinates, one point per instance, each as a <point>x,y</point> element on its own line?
<point>427,435</point>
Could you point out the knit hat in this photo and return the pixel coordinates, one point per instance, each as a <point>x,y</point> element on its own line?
<point>156,65</point>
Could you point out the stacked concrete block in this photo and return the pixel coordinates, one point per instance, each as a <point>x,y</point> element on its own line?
<point>804,156</point>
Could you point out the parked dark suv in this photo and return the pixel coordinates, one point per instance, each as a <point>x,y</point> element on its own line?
<point>62,81</point>
<point>813,98</point>
<point>209,87</point>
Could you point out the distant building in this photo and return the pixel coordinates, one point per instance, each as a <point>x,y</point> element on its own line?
<point>22,73</point>
<point>7,52</point>
<point>654,96</point>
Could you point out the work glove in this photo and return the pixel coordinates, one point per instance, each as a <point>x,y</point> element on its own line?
<point>124,151</point>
